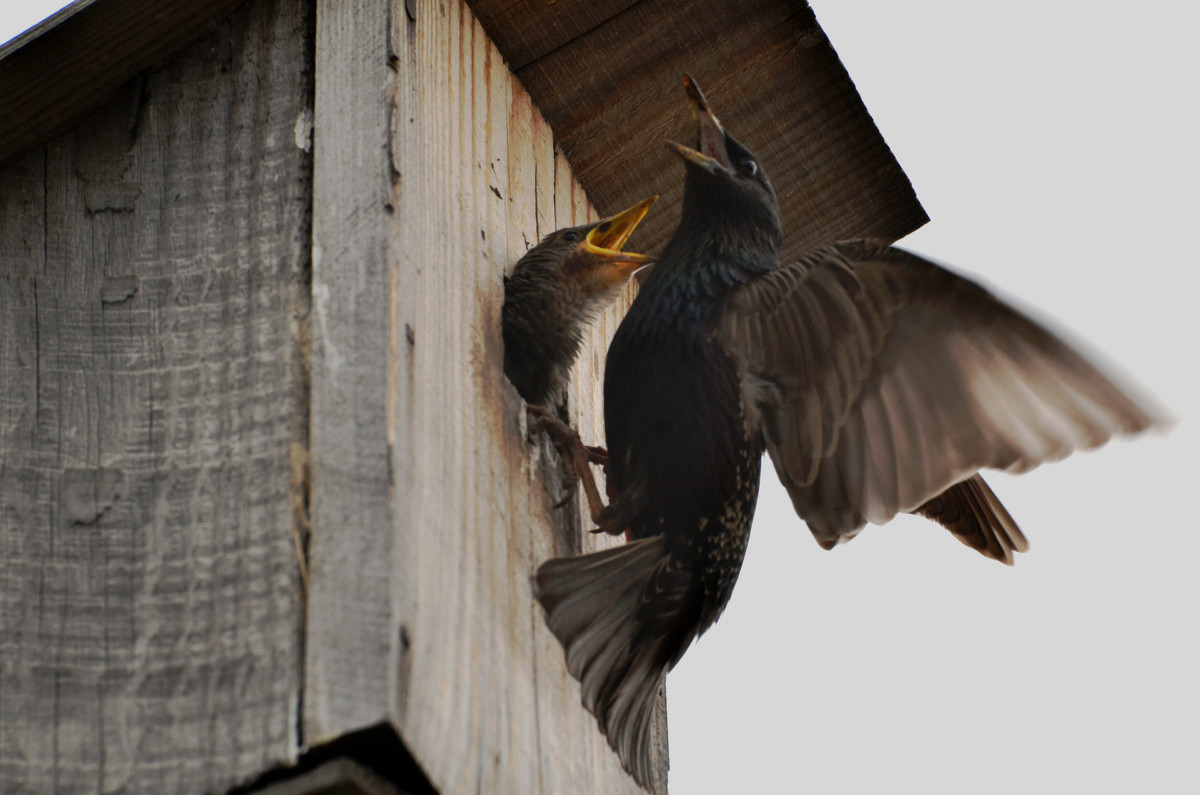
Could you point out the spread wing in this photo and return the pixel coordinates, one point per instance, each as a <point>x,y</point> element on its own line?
<point>883,380</point>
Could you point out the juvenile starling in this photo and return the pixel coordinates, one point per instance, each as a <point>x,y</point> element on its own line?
<point>554,291</point>
<point>877,381</point>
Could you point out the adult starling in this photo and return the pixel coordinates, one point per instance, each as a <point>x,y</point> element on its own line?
<point>554,291</point>
<point>877,381</point>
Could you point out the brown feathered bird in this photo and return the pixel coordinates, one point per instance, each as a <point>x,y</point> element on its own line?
<point>555,290</point>
<point>877,381</point>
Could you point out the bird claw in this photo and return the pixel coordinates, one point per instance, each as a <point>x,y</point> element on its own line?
<point>610,522</point>
<point>612,532</point>
<point>570,485</point>
<point>596,455</point>
<point>575,457</point>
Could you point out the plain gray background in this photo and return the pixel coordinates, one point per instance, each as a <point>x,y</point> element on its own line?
<point>1053,145</point>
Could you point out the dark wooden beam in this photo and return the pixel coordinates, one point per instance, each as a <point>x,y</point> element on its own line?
<point>66,67</point>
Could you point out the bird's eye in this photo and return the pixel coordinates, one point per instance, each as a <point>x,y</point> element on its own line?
<point>571,237</point>
<point>749,167</point>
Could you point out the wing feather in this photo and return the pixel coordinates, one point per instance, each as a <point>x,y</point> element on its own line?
<point>896,380</point>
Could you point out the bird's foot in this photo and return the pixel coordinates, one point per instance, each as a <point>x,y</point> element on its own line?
<point>575,457</point>
<point>597,455</point>
<point>611,522</point>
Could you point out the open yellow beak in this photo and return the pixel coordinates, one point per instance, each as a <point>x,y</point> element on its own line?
<point>608,236</point>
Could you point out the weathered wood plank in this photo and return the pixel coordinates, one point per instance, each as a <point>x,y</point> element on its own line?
<point>474,682</point>
<point>349,636</point>
<point>543,154</point>
<point>152,293</point>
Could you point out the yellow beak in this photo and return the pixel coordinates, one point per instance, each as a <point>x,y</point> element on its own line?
<point>608,236</point>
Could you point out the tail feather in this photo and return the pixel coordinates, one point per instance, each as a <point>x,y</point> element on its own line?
<point>974,514</point>
<point>592,604</point>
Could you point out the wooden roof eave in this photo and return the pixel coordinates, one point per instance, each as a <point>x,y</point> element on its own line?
<point>71,63</point>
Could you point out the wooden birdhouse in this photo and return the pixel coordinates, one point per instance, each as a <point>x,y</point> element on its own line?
<point>268,508</point>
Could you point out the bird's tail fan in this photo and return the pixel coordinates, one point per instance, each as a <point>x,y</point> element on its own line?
<point>602,607</point>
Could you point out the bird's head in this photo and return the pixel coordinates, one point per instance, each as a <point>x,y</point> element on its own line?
<point>588,260</point>
<point>555,290</point>
<point>580,269</point>
<point>726,186</point>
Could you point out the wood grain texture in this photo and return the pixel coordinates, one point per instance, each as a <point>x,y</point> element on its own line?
<point>421,576</point>
<point>152,295</point>
<point>611,91</point>
<point>69,65</point>
<point>525,30</point>
<point>349,635</point>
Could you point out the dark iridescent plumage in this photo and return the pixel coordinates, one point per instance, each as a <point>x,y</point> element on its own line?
<point>878,382</point>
